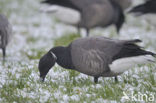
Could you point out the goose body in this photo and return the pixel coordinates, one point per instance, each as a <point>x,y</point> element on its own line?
<point>5,33</point>
<point>96,56</point>
<point>87,13</point>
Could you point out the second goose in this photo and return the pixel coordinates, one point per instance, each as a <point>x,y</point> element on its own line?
<point>87,13</point>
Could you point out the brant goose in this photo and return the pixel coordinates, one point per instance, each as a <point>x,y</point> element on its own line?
<point>5,33</point>
<point>96,56</point>
<point>149,7</point>
<point>87,13</point>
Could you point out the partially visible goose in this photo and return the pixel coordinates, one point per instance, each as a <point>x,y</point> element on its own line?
<point>96,56</point>
<point>125,4</point>
<point>147,10</point>
<point>5,33</point>
<point>87,13</point>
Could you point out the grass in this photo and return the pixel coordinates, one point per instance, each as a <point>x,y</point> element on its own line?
<point>66,39</point>
<point>34,53</point>
<point>22,88</point>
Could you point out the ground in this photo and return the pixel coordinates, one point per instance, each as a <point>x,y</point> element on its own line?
<point>34,33</point>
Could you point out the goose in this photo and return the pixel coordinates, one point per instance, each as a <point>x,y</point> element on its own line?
<point>147,10</point>
<point>5,33</point>
<point>96,56</point>
<point>86,13</point>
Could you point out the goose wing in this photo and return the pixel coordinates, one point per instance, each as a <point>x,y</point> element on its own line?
<point>93,54</point>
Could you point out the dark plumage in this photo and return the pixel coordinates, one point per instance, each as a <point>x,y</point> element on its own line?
<point>96,56</point>
<point>93,13</point>
<point>146,8</point>
<point>5,33</point>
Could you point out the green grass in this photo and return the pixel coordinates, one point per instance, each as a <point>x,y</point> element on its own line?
<point>35,54</point>
<point>66,39</point>
<point>20,88</point>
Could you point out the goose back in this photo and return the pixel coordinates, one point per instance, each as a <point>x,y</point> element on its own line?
<point>92,55</point>
<point>97,14</point>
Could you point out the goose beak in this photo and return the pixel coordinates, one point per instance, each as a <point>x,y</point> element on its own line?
<point>45,64</point>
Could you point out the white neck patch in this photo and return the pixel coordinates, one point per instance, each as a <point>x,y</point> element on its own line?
<point>53,55</point>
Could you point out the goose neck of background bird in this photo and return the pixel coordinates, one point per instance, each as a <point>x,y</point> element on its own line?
<point>63,55</point>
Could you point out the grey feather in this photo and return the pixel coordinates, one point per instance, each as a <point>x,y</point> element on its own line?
<point>124,3</point>
<point>5,32</point>
<point>93,55</point>
<point>94,13</point>
<point>98,14</point>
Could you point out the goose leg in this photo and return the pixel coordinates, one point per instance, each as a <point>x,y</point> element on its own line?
<point>78,30</point>
<point>4,53</point>
<point>116,79</point>
<point>87,31</point>
<point>95,79</point>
